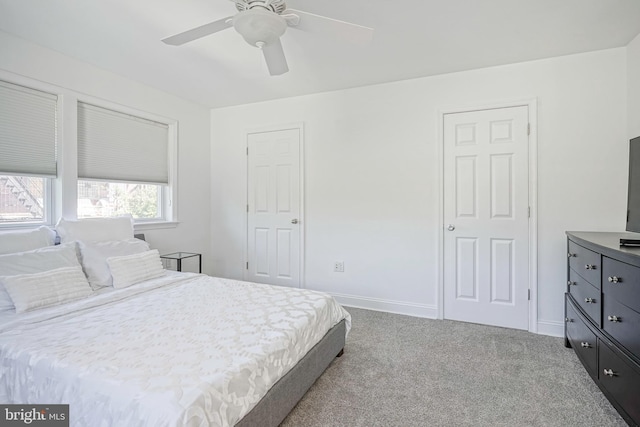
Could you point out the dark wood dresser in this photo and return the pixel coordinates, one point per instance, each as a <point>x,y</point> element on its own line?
<point>602,315</point>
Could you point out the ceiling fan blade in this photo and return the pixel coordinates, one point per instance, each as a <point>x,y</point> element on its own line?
<point>199,32</point>
<point>274,56</point>
<point>321,24</point>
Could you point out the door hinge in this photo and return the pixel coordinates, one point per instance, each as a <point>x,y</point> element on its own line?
<point>528,211</point>
<point>247,151</point>
<point>528,128</point>
<point>529,294</point>
<point>247,265</point>
<point>247,208</point>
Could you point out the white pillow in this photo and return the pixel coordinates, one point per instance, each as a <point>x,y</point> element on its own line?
<point>53,287</point>
<point>35,261</point>
<point>20,241</point>
<point>131,269</point>
<point>95,229</point>
<point>94,258</point>
<point>39,260</point>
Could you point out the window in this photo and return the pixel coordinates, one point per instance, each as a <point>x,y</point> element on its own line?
<point>28,137</point>
<point>23,199</point>
<point>126,159</point>
<point>123,165</point>
<point>103,199</point>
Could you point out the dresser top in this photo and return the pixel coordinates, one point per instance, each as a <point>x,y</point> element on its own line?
<point>608,244</point>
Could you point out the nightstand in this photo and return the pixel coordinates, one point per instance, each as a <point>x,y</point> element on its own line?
<point>179,256</point>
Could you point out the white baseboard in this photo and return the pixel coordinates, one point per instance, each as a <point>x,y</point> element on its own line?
<point>545,327</point>
<point>551,328</point>
<point>389,306</point>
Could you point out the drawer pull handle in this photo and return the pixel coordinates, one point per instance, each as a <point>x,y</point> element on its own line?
<point>590,267</point>
<point>609,372</point>
<point>566,319</point>
<point>614,279</point>
<point>589,300</point>
<point>570,255</point>
<point>570,283</point>
<point>614,319</point>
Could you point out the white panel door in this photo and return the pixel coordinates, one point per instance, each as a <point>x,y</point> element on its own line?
<point>486,217</point>
<point>273,210</point>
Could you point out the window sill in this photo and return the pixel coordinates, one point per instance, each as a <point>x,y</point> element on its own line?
<point>23,226</point>
<point>143,226</point>
<point>139,226</point>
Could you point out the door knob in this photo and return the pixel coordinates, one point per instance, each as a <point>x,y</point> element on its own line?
<point>451,227</point>
<point>294,221</point>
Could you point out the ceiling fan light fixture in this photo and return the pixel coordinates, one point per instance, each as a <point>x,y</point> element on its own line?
<point>259,26</point>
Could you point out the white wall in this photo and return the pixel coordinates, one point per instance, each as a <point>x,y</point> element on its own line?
<point>633,83</point>
<point>24,59</point>
<point>372,175</point>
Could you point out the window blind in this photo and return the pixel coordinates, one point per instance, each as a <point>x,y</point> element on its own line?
<point>116,147</point>
<point>27,131</point>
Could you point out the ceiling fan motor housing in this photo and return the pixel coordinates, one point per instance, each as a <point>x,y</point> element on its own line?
<point>259,27</point>
<point>277,6</point>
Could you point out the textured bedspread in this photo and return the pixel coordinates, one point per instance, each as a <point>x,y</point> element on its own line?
<point>181,350</point>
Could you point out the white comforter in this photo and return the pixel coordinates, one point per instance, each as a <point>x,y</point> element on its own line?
<point>181,350</point>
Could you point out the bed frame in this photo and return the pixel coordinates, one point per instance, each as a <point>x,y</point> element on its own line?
<point>274,407</point>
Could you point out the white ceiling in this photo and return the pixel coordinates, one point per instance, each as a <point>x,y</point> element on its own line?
<point>413,38</point>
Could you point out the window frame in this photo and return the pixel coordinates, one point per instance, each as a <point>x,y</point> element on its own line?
<point>169,193</point>
<point>52,201</point>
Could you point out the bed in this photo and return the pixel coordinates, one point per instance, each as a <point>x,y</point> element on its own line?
<point>174,349</point>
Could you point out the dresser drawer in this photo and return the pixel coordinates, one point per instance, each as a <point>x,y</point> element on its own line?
<point>585,262</point>
<point>622,282</point>
<point>586,295</point>
<point>622,323</point>
<point>620,377</point>
<point>582,339</point>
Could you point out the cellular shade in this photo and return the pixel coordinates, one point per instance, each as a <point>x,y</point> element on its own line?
<point>27,131</point>
<point>119,147</point>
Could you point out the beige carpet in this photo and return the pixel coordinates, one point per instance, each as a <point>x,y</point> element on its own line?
<point>406,371</point>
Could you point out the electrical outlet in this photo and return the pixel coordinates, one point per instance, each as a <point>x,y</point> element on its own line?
<point>338,266</point>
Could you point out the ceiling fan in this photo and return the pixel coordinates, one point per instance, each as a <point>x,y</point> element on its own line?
<point>263,22</point>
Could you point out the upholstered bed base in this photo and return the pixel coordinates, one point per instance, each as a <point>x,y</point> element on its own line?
<point>287,392</point>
